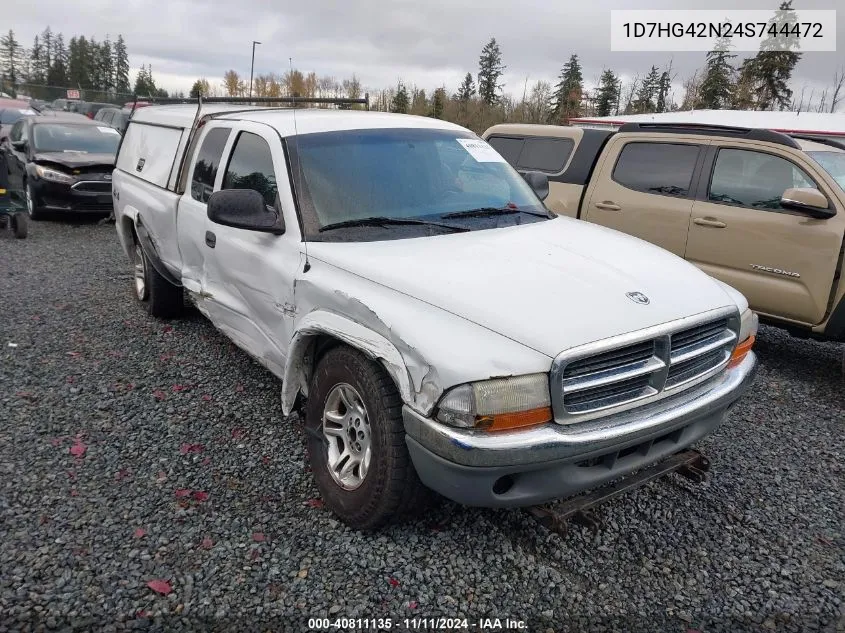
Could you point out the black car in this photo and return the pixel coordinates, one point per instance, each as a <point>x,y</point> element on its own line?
<point>117,118</point>
<point>62,163</point>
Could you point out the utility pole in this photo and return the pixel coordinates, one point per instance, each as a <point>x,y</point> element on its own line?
<point>252,66</point>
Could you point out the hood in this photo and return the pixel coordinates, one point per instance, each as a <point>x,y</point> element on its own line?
<point>548,285</point>
<point>74,159</point>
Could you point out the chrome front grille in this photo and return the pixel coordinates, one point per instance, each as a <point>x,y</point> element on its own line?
<point>618,373</point>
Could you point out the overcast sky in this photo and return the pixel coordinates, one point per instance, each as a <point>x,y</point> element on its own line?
<point>424,43</point>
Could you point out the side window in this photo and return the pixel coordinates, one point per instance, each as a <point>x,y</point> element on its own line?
<point>251,167</point>
<point>754,179</point>
<point>17,131</point>
<point>208,160</point>
<point>106,117</point>
<point>545,154</point>
<point>661,168</point>
<point>508,146</point>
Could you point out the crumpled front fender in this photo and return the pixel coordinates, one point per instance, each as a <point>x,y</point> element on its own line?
<point>300,361</point>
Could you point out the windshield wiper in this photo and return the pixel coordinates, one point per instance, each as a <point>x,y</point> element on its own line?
<point>386,221</point>
<point>488,211</point>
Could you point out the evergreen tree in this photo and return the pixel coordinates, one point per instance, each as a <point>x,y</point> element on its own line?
<point>568,92</point>
<point>10,59</point>
<point>38,63</point>
<point>490,70</point>
<point>716,91</point>
<point>144,84</point>
<point>58,75</point>
<point>47,42</point>
<point>645,101</point>
<point>400,102</point>
<point>664,84</point>
<point>105,63</point>
<point>121,66</point>
<point>466,90</point>
<point>438,103</point>
<point>770,70</point>
<point>608,93</point>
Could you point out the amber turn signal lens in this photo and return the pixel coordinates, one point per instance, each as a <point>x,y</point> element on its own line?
<point>741,351</point>
<point>510,421</point>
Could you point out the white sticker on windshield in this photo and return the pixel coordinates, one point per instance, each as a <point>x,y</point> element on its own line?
<point>480,150</point>
<point>108,130</point>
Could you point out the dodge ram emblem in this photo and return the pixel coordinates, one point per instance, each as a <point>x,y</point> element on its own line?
<point>637,297</point>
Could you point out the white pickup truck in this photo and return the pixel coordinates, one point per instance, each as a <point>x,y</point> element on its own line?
<point>436,324</point>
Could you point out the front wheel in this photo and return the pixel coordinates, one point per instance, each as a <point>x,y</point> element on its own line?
<point>20,225</point>
<point>356,442</point>
<point>31,204</point>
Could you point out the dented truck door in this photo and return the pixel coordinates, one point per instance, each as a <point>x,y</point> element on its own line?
<point>191,220</point>
<point>249,275</point>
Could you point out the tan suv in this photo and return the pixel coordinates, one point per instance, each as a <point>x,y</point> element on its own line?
<point>757,209</point>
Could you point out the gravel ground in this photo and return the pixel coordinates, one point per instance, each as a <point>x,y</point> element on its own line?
<point>132,450</point>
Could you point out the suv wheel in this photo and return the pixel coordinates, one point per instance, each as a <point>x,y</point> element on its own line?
<point>162,298</point>
<point>356,442</point>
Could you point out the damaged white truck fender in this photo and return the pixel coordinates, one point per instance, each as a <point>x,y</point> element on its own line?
<point>439,327</point>
<point>300,361</point>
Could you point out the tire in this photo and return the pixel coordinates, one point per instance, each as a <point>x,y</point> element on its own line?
<point>382,488</point>
<point>163,300</point>
<point>32,210</point>
<point>20,225</point>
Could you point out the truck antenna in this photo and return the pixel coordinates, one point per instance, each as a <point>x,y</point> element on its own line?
<point>298,186</point>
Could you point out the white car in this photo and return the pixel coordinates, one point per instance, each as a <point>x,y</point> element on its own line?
<point>437,325</point>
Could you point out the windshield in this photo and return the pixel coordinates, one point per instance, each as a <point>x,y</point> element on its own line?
<point>833,163</point>
<point>10,115</point>
<point>68,137</point>
<point>405,174</point>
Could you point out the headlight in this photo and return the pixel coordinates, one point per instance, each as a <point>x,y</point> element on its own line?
<point>498,404</point>
<point>747,334</point>
<point>52,175</point>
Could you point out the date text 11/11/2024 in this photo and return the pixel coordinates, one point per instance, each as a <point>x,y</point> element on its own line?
<point>416,624</point>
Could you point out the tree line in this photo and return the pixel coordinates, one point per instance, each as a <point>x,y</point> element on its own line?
<point>759,82</point>
<point>82,63</point>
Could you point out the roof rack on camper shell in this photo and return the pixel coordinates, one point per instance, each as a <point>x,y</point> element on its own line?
<point>340,101</point>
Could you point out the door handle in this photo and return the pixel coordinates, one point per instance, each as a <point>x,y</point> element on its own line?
<point>607,205</point>
<point>210,239</point>
<point>716,224</point>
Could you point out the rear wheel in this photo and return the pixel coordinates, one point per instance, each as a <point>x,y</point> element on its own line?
<point>162,298</point>
<point>20,225</point>
<point>31,204</point>
<point>356,442</point>
<point>140,278</point>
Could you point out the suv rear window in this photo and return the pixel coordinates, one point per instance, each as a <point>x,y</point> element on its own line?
<point>548,155</point>
<point>208,160</point>
<point>661,168</point>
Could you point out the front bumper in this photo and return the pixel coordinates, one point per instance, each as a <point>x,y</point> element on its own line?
<point>51,196</point>
<point>553,461</point>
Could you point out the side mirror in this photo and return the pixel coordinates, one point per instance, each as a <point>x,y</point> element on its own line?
<point>809,201</point>
<point>19,145</point>
<point>538,182</point>
<point>244,209</point>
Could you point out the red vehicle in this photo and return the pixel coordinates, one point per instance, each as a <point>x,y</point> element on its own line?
<point>134,105</point>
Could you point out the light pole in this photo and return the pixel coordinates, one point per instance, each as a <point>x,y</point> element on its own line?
<point>252,66</point>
